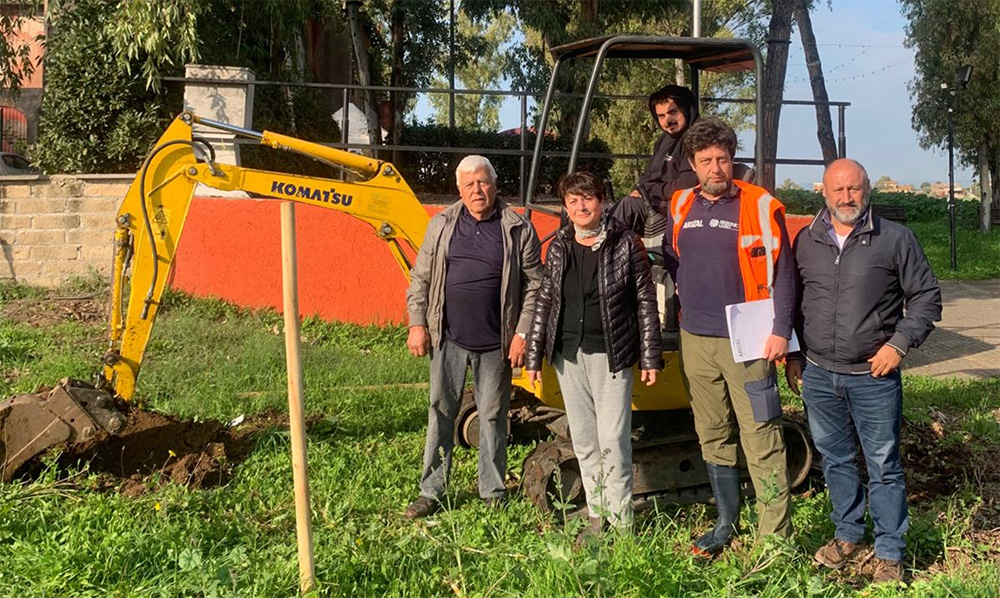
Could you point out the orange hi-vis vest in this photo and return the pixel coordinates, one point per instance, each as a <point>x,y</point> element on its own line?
<point>758,232</point>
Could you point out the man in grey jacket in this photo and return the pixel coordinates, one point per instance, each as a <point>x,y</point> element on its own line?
<point>472,291</point>
<point>858,272</point>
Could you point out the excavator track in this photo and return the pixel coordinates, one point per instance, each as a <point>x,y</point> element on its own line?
<point>551,478</point>
<point>666,461</point>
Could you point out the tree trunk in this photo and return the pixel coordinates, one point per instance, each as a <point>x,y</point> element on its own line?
<point>396,78</point>
<point>774,83</point>
<point>824,124</point>
<point>994,168</point>
<point>985,188</point>
<point>364,73</point>
<point>679,78</point>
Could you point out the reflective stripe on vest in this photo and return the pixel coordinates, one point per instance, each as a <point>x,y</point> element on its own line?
<point>679,206</point>
<point>771,243</point>
<point>758,217</point>
<point>757,284</point>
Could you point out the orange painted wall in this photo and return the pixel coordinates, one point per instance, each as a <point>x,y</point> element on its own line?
<point>231,249</point>
<point>796,223</point>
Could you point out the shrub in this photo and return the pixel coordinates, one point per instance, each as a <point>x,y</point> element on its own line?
<point>95,117</point>
<point>434,171</point>
<point>919,208</point>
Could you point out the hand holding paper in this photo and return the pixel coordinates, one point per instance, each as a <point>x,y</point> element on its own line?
<point>750,335</point>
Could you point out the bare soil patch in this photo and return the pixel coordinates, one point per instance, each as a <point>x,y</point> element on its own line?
<point>55,308</point>
<point>934,464</point>
<point>156,449</point>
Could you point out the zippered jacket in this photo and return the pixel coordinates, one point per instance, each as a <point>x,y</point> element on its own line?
<point>522,273</point>
<point>629,316</point>
<point>878,289</point>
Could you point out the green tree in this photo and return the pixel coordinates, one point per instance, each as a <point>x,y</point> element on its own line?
<point>790,185</point>
<point>95,117</point>
<point>155,34</point>
<point>489,43</point>
<point>883,181</point>
<point>405,42</point>
<point>947,34</point>
<point>104,104</point>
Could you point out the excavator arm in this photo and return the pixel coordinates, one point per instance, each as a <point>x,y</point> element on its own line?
<point>151,220</point>
<point>149,226</point>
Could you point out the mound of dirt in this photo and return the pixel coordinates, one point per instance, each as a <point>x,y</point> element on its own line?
<point>155,449</point>
<point>934,467</point>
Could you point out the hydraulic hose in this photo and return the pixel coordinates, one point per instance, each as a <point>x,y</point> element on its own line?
<point>194,144</point>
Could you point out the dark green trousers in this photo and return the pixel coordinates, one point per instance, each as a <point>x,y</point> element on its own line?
<point>724,419</point>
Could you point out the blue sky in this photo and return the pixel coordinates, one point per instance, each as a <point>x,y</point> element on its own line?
<point>874,80</point>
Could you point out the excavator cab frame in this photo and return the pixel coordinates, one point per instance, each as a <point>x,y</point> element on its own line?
<point>699,53</point>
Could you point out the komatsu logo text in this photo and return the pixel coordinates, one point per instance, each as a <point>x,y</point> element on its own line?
<point>324,195</point>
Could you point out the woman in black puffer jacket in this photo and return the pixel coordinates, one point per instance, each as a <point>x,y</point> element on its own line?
<point>595,317</point>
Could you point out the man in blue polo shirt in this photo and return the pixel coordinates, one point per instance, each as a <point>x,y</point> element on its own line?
<point>471,294</point>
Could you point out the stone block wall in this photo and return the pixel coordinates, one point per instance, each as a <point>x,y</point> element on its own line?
<point>54,229</point>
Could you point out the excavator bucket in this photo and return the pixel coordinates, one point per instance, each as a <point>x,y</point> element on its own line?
<point>74,411</point>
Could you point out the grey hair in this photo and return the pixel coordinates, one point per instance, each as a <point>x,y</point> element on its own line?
<point>473,163</point>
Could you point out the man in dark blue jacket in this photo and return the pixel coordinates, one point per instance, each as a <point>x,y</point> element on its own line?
<point>857,273</point>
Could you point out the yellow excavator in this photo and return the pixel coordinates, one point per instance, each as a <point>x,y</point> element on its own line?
<point>149,225</point>
<point>666,456</point>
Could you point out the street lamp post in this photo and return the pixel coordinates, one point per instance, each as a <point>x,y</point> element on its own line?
<point>962,76</point>
<point>951,183</point>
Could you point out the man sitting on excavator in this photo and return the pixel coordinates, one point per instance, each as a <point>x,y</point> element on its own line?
<point>644,210</point>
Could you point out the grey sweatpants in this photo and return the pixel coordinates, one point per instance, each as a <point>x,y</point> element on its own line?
<point>599,410</point>
<point>491,378</point>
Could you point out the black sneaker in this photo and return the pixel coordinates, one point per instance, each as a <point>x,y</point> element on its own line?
<point>422,507</point>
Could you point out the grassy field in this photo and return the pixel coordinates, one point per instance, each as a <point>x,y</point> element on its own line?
<point>978,255</point>
<point>66,534</point>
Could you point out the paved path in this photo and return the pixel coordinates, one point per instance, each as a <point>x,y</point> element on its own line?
<point>966,342</point>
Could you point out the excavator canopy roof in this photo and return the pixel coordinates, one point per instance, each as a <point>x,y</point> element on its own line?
<point>703,53</point>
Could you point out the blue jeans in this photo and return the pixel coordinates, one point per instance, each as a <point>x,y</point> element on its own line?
<point>838,405</point>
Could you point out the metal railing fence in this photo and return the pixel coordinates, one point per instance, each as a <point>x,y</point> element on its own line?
<point>523,151</point>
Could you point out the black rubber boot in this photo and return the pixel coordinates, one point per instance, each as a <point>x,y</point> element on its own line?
<point>726,489</point>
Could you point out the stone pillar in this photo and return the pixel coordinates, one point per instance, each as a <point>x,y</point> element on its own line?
<point>229,101</point>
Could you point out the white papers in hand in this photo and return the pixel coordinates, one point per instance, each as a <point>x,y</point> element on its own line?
<point>750,325</point>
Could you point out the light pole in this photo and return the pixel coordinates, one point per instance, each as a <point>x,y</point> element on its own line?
<point>962,76</point>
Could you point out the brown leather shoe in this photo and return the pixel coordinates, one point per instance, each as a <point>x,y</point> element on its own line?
<point>422,507</point>
<point>836,553</point>
<point>887,571</point>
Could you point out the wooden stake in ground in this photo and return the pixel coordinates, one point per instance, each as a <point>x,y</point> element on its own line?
<point>296,410</point>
